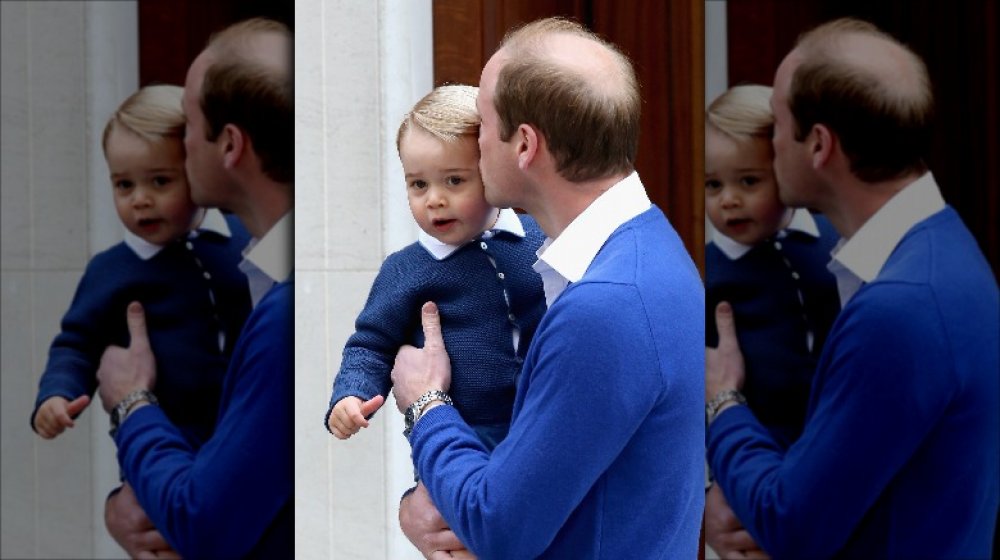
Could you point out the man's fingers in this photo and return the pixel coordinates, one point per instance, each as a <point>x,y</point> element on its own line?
<point>725,324</point>
<point>77,405</point>
<point>136,319</point>
<point>370,406</point>
<point>431,321</point>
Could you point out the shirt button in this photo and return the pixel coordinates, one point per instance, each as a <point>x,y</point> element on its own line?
<point>511,317</point>
<point>207,275</point>
<point>795,275</point>
<point>500,275</point>
<point>189,245</point>
<point>483,245</point>
<point>777,245</point>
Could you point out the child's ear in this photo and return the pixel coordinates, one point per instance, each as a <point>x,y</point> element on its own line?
<point>232,141</point>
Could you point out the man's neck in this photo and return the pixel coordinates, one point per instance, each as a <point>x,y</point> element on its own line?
<point>858,201</point>
<point>563,201</point>
<point>264,207</point>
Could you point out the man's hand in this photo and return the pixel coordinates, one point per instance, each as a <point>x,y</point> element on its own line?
<point>56,414</point>
<point>723,364</point>
<point>350,415</point>
<point>723,532</point>
<point>124,370</point>
<point>132,529</point>
<point>423,525</point>
<point>418,370</point>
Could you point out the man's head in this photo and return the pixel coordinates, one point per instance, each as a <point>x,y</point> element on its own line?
<point>240,86</point>
<point>577,91</point>
<point>850,80</point>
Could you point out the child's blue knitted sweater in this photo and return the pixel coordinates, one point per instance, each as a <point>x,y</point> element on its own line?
<point>190,291</point>
<point>480,304</point>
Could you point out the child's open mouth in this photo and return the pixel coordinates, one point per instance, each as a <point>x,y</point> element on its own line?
<point>149,223</point>
<point>443,225</point>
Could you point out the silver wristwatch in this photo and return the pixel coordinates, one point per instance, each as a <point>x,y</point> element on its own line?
<point>713,406</point>
<point>416,410</point>
<point>122,409</point>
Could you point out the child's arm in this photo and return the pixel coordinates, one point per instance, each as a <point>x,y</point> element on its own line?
<point>56,414</point>
<point>349,415</point>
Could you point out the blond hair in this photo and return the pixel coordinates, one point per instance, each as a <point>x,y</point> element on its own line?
<point>152,113</point>
<point>448,112</point>
<point>742,112</point>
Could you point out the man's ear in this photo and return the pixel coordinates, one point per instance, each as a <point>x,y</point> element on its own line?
<point>822,144</point>
<point>233,142</point>
<point>527,143</point>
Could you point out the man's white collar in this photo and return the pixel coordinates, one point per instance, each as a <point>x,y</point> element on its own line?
<point>867,251</point>
<point>506,221</point>
<point>272,254</point>
<point>571,253</point>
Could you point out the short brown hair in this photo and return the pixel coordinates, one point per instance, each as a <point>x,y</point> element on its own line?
<point>591,134</point>
<point>255,96</point>
<point>448,112</point>
<point>884,127</point>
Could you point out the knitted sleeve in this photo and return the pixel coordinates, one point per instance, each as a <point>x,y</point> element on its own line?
<point>385,324</point>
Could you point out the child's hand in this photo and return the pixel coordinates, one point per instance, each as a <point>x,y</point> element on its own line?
<point>56,414</point>
<point>349,415</point>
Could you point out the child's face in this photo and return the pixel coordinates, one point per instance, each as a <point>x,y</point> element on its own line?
<point>741,194</point>
<point>443,186</point>
<point>150,188</point>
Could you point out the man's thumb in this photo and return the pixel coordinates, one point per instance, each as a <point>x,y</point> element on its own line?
<point>725,324</point>
<point>136,319</point>
<point>431,321</point>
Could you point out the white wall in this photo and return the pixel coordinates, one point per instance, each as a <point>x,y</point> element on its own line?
<point>65,66</point>
<point>359,67</point>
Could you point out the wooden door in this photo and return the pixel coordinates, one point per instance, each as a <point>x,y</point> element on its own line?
<point>665,41</point>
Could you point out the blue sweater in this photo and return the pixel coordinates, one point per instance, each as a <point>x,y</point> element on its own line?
<point>772,321</point>
<point>900,457</point>
<point>605,456</point>
<point>231,498</point>
<point>479,303</point>
<point>184,312</point>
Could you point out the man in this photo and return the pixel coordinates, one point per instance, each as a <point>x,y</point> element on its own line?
<point>603,458</point>
<point>899,455</point>
<point>233,496</point>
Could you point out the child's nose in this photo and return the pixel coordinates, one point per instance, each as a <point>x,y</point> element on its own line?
<point>730,199</point>
<point>436,198</point>
<point>141,198</point>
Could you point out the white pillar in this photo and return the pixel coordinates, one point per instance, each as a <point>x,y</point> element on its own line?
<point>359,67</point>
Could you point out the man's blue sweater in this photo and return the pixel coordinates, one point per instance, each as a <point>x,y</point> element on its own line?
<point>480,304</point>
<point>232,498</point>
<point>190,291</point>
<point>900,457</point>
<point>605,456</point>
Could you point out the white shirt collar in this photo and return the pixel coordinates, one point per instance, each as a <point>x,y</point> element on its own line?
<point>866,252</point>
<point>566,258</point>
<point>213,221</point>
<point>801,221</point>
<point>506,221</point>
<point>269,260</point>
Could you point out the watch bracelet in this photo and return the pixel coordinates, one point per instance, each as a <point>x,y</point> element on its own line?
<point>713,407</point>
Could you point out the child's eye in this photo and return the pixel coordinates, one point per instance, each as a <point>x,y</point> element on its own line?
<point>749,180</point>
<point>161,180</point>
<point>712,184</point>
<point>454,180</point>
<point>123,184</point>
<point>418,184</point>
